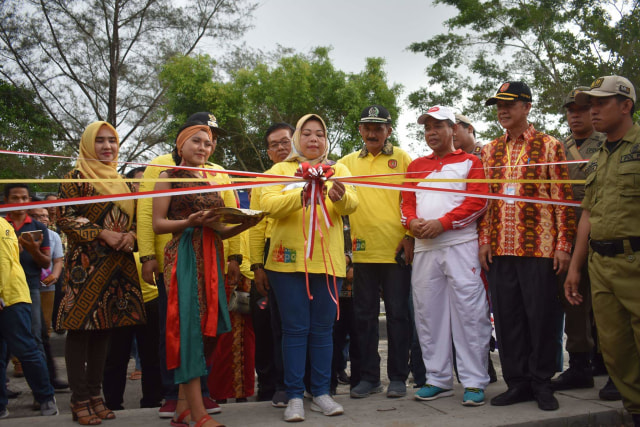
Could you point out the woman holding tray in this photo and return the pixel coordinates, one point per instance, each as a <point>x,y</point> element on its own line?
<point>197,308</point>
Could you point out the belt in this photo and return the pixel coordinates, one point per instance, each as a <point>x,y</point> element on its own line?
<point>614,247</point>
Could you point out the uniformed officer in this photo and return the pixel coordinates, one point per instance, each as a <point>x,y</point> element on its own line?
<point>610,226</point>
<point>579,145</point>
<point>465,137</point>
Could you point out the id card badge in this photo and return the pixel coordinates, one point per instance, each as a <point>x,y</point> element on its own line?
<point>510,190</point>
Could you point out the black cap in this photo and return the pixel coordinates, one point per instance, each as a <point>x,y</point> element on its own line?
<point>375,114</point>
<point>511,91</point>
<point>203,118</point>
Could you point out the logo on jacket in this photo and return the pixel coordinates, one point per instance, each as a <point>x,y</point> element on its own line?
<point>392,163</point>
<point>282,254</point>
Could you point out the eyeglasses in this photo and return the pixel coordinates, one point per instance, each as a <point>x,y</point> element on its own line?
<point>273,145</point>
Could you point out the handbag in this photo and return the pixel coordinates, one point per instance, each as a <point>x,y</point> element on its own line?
<point>239,302</point>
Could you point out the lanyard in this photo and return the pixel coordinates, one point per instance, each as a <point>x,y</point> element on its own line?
<point>522,151</point>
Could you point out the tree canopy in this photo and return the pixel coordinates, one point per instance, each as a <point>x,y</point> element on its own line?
<point>552,45</point>
<point>284,89</point>
<point>100,59</point>
<point>26,127</point>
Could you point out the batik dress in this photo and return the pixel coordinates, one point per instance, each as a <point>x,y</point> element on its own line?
<point>194,277</point>
<point>101,284</point>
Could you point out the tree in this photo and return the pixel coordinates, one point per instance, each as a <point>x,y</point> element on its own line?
<point>553,45</point>
<point>25,126</point>
<point>99,59</point>
<point>283,89</point>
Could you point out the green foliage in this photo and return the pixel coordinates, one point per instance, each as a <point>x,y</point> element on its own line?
<point>284,89</point>
<point>25,126</point>
<point>552,45</point>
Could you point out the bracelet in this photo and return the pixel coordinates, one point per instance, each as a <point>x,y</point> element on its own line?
<point>257,266</point>
<point>146,258</point>
<point>237,258</point>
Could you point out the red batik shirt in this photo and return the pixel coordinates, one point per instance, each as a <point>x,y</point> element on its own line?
<point>524,228</point>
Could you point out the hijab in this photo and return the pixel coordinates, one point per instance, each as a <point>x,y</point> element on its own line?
<point>296,153</point>
<point>110,180</point>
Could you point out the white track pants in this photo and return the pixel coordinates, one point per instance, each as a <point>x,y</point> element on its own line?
<point>450,300</point>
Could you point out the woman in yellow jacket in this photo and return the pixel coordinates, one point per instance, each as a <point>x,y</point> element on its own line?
<point>307,322</point>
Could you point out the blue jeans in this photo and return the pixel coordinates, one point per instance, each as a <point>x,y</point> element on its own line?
<point>170,388</point>
<point>17,338</point>
<point>305,323</point>
<point>36,317</point>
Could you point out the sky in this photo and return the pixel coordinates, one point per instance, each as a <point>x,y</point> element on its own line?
<point>356,29</point>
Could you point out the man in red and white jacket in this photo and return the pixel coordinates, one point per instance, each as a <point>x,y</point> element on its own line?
<point>448,292</point>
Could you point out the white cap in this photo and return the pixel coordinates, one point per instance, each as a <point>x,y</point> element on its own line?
<point>438,112</point>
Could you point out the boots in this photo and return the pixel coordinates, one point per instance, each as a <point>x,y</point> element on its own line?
<point>578,375</point>
<point>609,391</point>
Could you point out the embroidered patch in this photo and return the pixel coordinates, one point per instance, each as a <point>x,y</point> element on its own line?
<point>392,163</point>
<point>597,82</point>
<point>504,87</point>
<point>630,157</point>
<point>624,89</point>
<point>373,112</point>
<point>213,122</point>
<point>433,109</point>
<point>635,148</point>
<point>591,167</point>
<point>282,254</point>
<point>358,245</point>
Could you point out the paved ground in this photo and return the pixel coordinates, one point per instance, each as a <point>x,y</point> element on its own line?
<point>577,408</point>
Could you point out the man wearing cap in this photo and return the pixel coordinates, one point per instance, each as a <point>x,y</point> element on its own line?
<point>377,236</point>
<point>151,250</point>
<point>579,145</point>
<point>524,245</point>
<point>465,136</point>
<point>610,225</point>
<point>448,293</point>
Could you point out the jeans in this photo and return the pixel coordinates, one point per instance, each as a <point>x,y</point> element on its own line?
<point>17,338</point>
<point>170,388</point>
<point>306,323</point>
<point>36,317</point>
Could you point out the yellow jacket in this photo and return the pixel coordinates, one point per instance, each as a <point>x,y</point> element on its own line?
<point>287,249</point>
<point>261,232</point>
<point>13,282</point>
<point>151,244</point>
<point>376,229</point>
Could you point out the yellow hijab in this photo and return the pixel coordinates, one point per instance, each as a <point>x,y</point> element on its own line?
<point>111,181</point>
<point>296,154</point>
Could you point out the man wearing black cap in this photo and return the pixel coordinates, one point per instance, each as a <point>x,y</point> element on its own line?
<point>610,226</point>
<point>579,145</point>
<point>523,246</point>
<point>377,236</point>
<point>151,249</point>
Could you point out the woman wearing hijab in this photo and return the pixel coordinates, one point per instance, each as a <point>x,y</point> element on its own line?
<point>102,291</point>
<point>307,294</point>
<point>197,310</point>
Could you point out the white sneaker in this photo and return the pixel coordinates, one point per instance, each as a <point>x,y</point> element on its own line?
<point>294,411</point>
<point>326,405</point>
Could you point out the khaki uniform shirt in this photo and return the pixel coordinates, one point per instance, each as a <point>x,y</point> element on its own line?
<point>612,193</point>
<point>576,170</point>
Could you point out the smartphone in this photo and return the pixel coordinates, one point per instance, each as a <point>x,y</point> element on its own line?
<point>35,234</point>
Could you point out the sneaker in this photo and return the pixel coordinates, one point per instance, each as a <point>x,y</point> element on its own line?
<point>279,399</point>
<point>326,405</point>
<point>473,397</point>
<point>4,413</point>
<point>168,409</point>
<point>365,388</point>
<point>431,392</point>
<point>294,411</point>
<point>397,389</point>
<point>211,405</point>
<point>49,407</point>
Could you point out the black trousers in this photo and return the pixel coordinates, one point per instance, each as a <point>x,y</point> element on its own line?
<point>345,326</point>
<point>525,308</point>
<point>85,353</point>
<point>394,282</point>
<point>115,369</point>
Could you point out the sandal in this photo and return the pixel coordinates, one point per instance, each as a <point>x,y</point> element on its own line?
<point>203,420</point>
<point>81,412</point>
<point>180,422</point>
<point>100,409</point>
